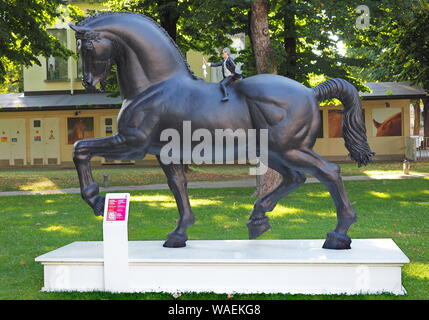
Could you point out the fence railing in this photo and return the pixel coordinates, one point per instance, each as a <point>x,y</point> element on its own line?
<point>417,148</point>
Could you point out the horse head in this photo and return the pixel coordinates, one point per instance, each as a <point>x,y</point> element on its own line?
<point>143,52</point>
<point>97,56</point>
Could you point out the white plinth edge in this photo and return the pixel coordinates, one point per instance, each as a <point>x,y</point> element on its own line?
<point>372,266</point>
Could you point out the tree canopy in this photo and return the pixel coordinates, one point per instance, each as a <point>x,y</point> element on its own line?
<point>397,48</point>
<point>305,35</point>
<point>23,35</point>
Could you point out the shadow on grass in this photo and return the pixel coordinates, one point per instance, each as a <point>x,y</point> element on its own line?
<point>33,225</point>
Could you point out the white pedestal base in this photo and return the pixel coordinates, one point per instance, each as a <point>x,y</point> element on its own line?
<point>235,266</point>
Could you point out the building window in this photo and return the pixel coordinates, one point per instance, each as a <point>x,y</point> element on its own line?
<point>57,66</point>
<point>80,128</point>
<point>387,122</point>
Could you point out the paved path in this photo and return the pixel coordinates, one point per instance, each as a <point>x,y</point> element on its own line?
<point>205,184</point>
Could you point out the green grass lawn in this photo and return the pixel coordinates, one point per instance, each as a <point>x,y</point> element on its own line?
<point>46,179</point>
<point>34,225</point>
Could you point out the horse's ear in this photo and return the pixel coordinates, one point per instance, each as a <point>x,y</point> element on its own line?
<point>376,124</point>
<point>78,29</point>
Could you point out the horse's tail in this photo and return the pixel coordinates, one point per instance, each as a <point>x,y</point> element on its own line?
<point>354,131</point>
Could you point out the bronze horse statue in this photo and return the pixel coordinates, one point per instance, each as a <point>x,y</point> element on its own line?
<point>160,92</point>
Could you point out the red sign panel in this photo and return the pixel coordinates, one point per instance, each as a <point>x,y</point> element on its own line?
<point>116,209</point>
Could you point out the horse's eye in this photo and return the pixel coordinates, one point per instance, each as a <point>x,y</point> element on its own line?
<point>78,44</point>
<point>88,45</point>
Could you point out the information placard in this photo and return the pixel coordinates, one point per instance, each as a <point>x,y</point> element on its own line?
<point>116,208</point>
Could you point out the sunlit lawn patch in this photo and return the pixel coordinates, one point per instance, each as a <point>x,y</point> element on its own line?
<point>46,179</point>
<point>33,225</point>
<point>383,168</point>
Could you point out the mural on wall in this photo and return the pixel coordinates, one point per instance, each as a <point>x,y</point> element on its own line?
<point>387,122</point>
<point>80,128</point>
<point>335,123</point>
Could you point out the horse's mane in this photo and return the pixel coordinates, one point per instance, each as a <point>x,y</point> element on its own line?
<point>109,13</point>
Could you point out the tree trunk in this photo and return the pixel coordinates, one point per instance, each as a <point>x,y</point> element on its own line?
<point>290,40</point>
<point>416,107</point>
<point>260,38</point>
<point>168,16</point>
<point>265,63</point>
<point>426,116</point>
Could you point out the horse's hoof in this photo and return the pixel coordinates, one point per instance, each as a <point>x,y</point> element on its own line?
<point>99,206</point>
<point>175,240</point>
<point>257,227</point>
<point>337,241</point>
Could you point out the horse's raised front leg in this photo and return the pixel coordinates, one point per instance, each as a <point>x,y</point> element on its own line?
<point>113,147</point>
<point>329,174</point>
<point>177,182</point>
<point>258,221</point>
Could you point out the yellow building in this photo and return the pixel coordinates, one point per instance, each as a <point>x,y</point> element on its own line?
<point>39,126</point>
<point>387,120</point>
